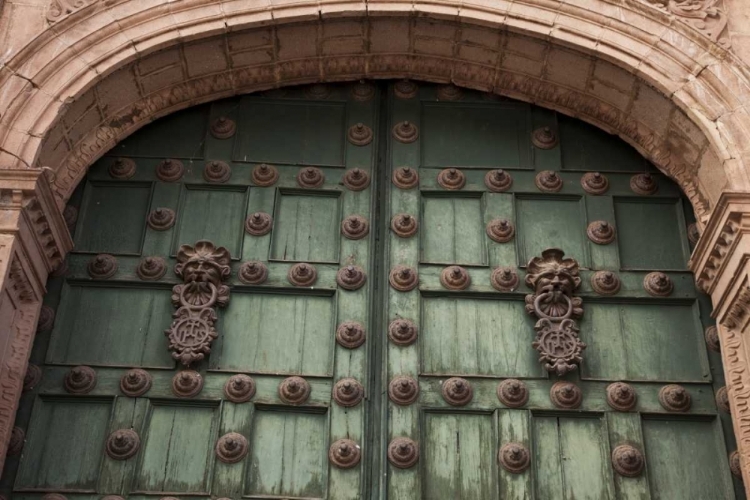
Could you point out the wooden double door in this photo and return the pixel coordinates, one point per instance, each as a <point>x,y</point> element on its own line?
<point>320,292</point>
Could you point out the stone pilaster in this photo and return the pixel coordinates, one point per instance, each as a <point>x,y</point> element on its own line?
<point>33,242</point>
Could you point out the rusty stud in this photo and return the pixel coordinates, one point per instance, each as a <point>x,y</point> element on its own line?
<point>102,266</point>
<point>351,277</point>
<point>566,395</point>
<point>601,232</point>
<point>310,177</point>
<point>123,444</point>
<point>404,225</point>
<point>627,460</point>
<point>46,319</point>
<point>344,454</point>
<point>658,284</point>
<point>253,273</point>
<point>403,390</point>
<point>258,224</point>
<point>712,338</point>
<point>32,377</point>
<point>161,219</point>
<point>403,278</point>
<point>80,380</point>
<point>239,388</point>
<point>355,227</point>
<point>594,183</point>
<point>548,181</point>
<point>544,138</point>
<point>674,397</point>
<point>122,169</point>
<point>457,391</point>
<point>512,393</point>
<point>402,332</point>
<point>356,179</point>
<point>605,282</point>
<point>621,396</point>
<point>451,178</point>
<point>722,399</point>
<point>265,175</point>
<point>449,93</point>
<point>294,390</point>
<point>223,128</point>
<point>217,171</point>
<point>231,447</point>
<point>504,279</point>
<point>318,91</point>
<point>455,278</point>
<point>498,180</point>
<point>187,383</point>
<point>170,170</point>
<point>735,466</point>
<point>405,132</point>
<point>405,89</point>
<point>514,457</point>
<point>363,91</point>
<point>302,274</point>
<point>643,184</point>
<point>405,178</point>
<point>16,442</point>
<point>359,134</point>
<point>500,230</point>
<point>151,268</point>
<point>135,383</point>
<point>403,453</point>
<point>348,392</point>
<point>350,334</point>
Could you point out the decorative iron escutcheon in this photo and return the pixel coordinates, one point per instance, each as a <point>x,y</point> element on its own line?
<point>203,268</point>
<point>554,279</point>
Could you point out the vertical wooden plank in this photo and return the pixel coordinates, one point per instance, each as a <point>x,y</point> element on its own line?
<point>546,159</point>
<point>587,473</point>
<point>546,458</point>
<point>261,199</point>
<point>514,428</point>
<point>500,206</point>
<point>228,478</point>
<point>165,195</point>
<point>600,208</point>
<point>625,428</point>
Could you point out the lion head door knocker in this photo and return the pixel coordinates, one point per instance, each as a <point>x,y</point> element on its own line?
<point>203,268</point>
<point>554,280</point>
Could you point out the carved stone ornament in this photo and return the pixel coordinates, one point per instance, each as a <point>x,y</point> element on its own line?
<point>122,168</point>
<point>403,278</point>
<point>135,383</point>
<point>627,460</point>
<point>217,171</point>
<point>202,268</point>
<point>80,380</point>
<point>658,284</point>
<point>548,181</point>
<point>151,268</point>
<point>161,219</point>
<point>302,274</point>
<point>693,233</point>
<point>514,457</point>
<point>504,279</point>
<point>294,390</point>
<point>187,383</point>
<point>455,278</point>
<point>722,399</point>
<point>359,134</point>
<point>498,180</point>
<point>355,227</point>
<point>232,447</point>
<point>702,15</point>
<point>554,279</point>
<point>449,93</point>
<point>265,175</point>
<point>405,132</point>
<point>643,184</point>
<point>123,444</point>
<point>46,319</point>
<point>356,179</point>
<point>348,392</point>
<point>405,178</point>
<point>712,338</point>
<point>605,282</point>
<point>318,91</point>
<point>402,332</point>
<point>258,224</point>
<point>544,138</point>
<point>403,390</point>
<point>17,440</point>
<point>310,177</point>
<point>601,232</point>
<point>405,89</point>
<point>675,398</point>
<point>239,388</point>
<point>621,396</point>
<point>363,91</point>
<point>344,454</point>
<point>735,466</point>
<point>253,273</point>
<point>403,453</point>
<point>170,170</point>
<point>223,127</point>
<point>350,334</point>
<point>501,230</point>
<point>59,9</point>
<point>33,377</point>
<point>594,183</point>
<point>512,393</point>
<point>451,178</point>
<point>102,266</point>
<point>351,277</point>
<point>404,225</point>
<point>566,395</point>
<point>457,391</point>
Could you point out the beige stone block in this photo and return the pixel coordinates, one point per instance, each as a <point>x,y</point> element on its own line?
<point>192,32</point>
<point>483,12</point>
<point>485,38</point>
<point>344,45</point>
<point>480,55</point>
<point>251,57</point>
<point>118,90</point>
<point>513,62</point>
<point>131,12</point>
<point>437,10</point>
<point>332,9</point>
<point>343,28</point>
<point>733,82</point>
<point>20,24</point>
<point>389,35</point>
<point>568,68</point>
<point>187,13</point>
<point>711,174</point>
<point>297,41</point>
<point>40,59</point>
<point>251,39</point>
<point>161,79</point>
<point>652,109</point>
<point>526,47</point>
<point>433,46</point>
<point>14,88</point>
<point>86,122</point>
<point>738,16</point>
<point>254,19</point>
<point>435,29</point>
<point>54,147</point>
<point>238,7</point>
<point>292,11</point>
<point>159,61</point>
<point>80,107</point>
<point>203,58</point>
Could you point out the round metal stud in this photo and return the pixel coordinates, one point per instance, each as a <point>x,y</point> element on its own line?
<point>501,230</point>
<point>498,180</point>
<point>594,183</point>
<point>161,219</point>
<point>32,377</point>
<point>735,465</point>
<point>17,440</point>
<point>344,454</point>
<point>544,138</point>
<point>403,390</point>
<point>627,460</point>
<point>102,266</point>
<point>265,175</point>
<point>80,380</point>
<point>151,268</point>
<point>232,447</point>
<point>403,278</point>
<point>455,278</point>
<point>61,270</point>
<point>403,453</point>
<point>693,233</point>
<point>170,170</point>
<point>258,224</point>
<point>643,184</point>
<point>601,232</point>
<point>351,277</point>
<point>318,91</point>
<point>565,395</point>
<point>674,397</point>
<point>405,89</point>
<point>223,127</point>
<point>457,391</point>
<point>658,284</point>
<point>449,93</point>
<point>187,383</point>
<point>621,396</point>
<point>348,392</point>
<point>310,177</point>
<point>512,393</point>
<point>355,227</point>
<point>302,274</point>
<point>402,332</point>
<point>294,390</point>
<point>405,178</point>
<point>356,179</point>
<point>359,134</point>
<point>239,388</point>
<point>253,273</point>
<point>712,338</point>
<point>123,444</point>
<point>548,181</point>
<point>217,171</point>
<point>122,168</point>
<point>722,399</point>
<point>504,279</point>
<point>46,319</point>
<point>514,457</point>
<point>363,91</point>
<point>605,282</point>
<point>405,132</point>
<point>350,334</point>
<point>135,383</point>
<point>404,225</point>
<point>451,178</point>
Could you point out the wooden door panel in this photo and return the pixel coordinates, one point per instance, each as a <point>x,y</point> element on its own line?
<point>452,231</point>
<point>306,228</point>
<point>214,214</point>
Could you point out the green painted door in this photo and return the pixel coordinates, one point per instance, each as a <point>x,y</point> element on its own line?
<point>322,344</point>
